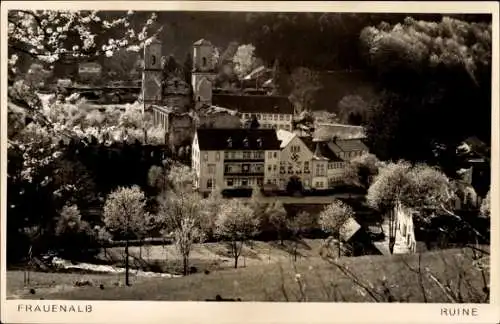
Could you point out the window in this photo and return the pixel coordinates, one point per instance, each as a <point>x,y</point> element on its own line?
<point>217,156</point>
<point>282,117</point>
<point>229,182</point>
<point>205,156</point>
<point>233,155</point>
<point>210,183</point>
<point>275,155</point>
<point>247,155</point>
<point>244,182</point>
<point>245,142</point>
<point>229,142</point>
<point>153,60</point>
<point>258,116</point>
<point>275,167</point>
<point>274,181</point>
<point>264,117</point>
<point>204,61</point>
<point>268,181</point>
<point>269,155</point>
<point>245,167</point>
<point>226,155</point>
<point>228,168</point>
<point>287,117</point>
<point>211,169</point>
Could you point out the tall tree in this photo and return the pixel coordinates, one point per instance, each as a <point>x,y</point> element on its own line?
<point>278,218</point>
<point>237,223</point>
<point>420,187</point>
<point>124,216</point>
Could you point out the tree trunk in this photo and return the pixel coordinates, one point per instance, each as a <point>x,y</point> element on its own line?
<point>126,264</point>
<point>185,263</point>
<point>236,261</point>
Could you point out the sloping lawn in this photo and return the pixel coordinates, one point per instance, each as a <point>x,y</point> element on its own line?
<point>321,281</point>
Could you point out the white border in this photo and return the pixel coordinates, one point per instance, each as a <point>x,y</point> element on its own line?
<point>259,312</point>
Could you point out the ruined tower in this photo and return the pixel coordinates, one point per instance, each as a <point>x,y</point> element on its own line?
<point>152,75</point>
<point>204,73</point>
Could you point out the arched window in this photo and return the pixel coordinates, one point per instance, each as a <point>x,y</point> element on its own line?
<point>204,61</point>
<point>153,60</point>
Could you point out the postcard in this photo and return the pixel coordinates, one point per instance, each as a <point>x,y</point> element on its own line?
<point>249,162</point>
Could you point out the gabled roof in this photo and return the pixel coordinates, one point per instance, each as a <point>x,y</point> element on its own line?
<point>212,139</point>
<point>202,41</point>
<point>260,104</point>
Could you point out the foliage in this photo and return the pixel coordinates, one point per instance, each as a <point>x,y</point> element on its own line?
<point>211,209</point>
<point>122,65</point>
<point>74,184</point>
<point>389,186</point>
<point>361,170</point>
<point>124,212</point>
<point>237,223</point>
<point>49,35</point>
<point>74,235</point>
<point>278,218</point>
<point>244,60</point>
<point>448,68</point>
<point>305,83</point>
<point>353,110</point>
<point>485,205</point>
<point>333,217</point>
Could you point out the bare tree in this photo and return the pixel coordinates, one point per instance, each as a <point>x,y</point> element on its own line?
<point>181,213</point>
<point>278,218</point>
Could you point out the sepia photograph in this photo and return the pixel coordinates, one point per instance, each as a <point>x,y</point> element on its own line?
<point>247,156</point>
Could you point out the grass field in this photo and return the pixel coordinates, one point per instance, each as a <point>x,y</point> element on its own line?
<point>361,279</point>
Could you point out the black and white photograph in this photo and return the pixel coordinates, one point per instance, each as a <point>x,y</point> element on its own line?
<point>247,156</point>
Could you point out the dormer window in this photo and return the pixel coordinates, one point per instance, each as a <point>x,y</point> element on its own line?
<point>245,142</point>
<point>229,142</point>
<point>259,142</point>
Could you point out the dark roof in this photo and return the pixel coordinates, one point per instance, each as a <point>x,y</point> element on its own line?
<point>350,145</point>
<point>254,103</point>
<point>211,139</point>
